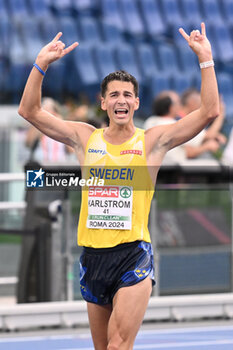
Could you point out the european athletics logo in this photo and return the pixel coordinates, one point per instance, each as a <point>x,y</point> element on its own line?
<point>35,178</point>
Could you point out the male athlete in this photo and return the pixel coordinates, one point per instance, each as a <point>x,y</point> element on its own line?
<point>116,265</point>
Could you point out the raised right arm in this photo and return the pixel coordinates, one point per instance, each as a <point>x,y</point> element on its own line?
<point>74,134</point>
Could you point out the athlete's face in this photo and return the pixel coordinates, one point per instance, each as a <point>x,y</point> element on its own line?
<point>120,102</point>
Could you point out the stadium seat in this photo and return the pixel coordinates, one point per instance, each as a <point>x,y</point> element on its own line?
<point>86,71</point>
<point>68,27</point>
<point>227,6</point>
<point>89,30</point>
<point>167,57</point>
<point>2,77</point>
<point>54,81</point>
<point>158,83</point>
<point>62,7</point>
<point>191,12</point>
<point>212,39</point>
<point>49,28</point>
<point>18,9</point>
<point>152,18</point>
<point>188,61</point>
<point>16,49</point>
<point>222,40</point>
<point>111,33</point>
<point>211,11</point>
<point>181,82</point>
<point>3,10</point>
<point>5,32</point>
<point>126,60</point>
<point>16,79</point>
<point>133,21</point>
<point>104,59</point>
<point>147,60</point>
<point>177,37</point>
<point>225,85</point>
<point>85,7</point>
<point>171,12</point>
<point>31,36</point>
<point>18,67</point>
<point>39,8</point>
<point>110,12</point>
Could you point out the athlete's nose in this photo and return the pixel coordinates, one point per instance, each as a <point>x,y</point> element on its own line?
<point>121,100</point>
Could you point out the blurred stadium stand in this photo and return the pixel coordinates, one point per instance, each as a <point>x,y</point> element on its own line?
<point>105,59</point>
<point>148,25</point>
<point>153,21</point>
<point>191,12</point>
<point>212,13</point>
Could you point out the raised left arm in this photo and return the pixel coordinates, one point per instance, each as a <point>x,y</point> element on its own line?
<point>193,123</point>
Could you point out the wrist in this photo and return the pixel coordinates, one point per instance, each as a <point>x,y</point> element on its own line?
<point>206,64</point>
<point>205,58</point>
<point>43,65</point>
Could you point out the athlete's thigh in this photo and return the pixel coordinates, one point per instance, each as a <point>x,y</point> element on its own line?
<point>98,320</point>
<point>129,306</point>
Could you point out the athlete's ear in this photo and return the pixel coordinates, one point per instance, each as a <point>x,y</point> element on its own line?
<point>103,105</point>
<point>137,103</point>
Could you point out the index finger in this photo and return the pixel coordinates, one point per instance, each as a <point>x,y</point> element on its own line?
<point>203,31</point>
<point>184,34</point>
<point>57,37</point>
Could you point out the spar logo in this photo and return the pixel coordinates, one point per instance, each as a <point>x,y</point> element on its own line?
<point>125,192</point>
<point>131,151</point>
<point>104,191</point>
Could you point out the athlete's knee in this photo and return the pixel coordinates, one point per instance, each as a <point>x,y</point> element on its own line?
<point>119,346</point>
<point>113,347</point>
<point>119,341</point>
<point>114,342</point>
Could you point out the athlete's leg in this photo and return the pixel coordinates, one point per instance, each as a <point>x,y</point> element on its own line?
<point>98,319</point>
<point>129,306</point>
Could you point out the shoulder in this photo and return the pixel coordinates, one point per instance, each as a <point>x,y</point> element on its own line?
<point>82,129</point>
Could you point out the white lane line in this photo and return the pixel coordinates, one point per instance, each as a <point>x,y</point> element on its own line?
<point>141,334</point>
<point>204,329</point>
<point>171,345</point>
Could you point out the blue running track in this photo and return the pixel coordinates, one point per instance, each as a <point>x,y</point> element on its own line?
<point>204,338</point>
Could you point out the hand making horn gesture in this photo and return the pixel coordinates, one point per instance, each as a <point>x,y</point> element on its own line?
<point>53,51</point>
<point>199,43</point>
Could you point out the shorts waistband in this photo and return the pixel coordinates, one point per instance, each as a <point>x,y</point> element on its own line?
<point>111,249</point>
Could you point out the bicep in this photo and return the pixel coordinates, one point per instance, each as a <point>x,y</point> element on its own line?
<point>184,129</point>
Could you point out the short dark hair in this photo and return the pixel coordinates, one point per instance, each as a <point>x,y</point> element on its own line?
<point>161,105</point>
<point>120,75</point>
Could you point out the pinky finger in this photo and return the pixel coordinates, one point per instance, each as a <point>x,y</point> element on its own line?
<point>70,48</point>
<point>203,30</point>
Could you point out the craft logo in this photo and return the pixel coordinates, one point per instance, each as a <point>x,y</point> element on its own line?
<point>35,178</point>
<point>97,151</point>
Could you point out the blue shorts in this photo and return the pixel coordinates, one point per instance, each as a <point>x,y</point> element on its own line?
<point>103,271</point>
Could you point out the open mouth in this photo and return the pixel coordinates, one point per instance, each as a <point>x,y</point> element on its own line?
<point>121,111</point>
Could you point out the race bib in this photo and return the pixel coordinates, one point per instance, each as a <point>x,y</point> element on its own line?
<point>110,207</point>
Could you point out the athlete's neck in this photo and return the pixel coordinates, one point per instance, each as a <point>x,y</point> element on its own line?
<point>119,134</point>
